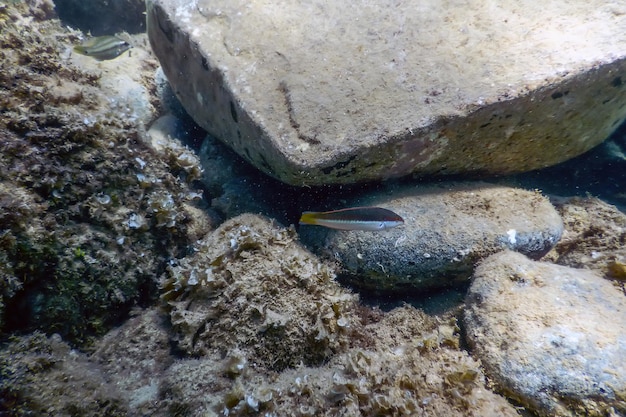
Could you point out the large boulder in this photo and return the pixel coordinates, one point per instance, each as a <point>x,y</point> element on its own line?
<point>334,92</point>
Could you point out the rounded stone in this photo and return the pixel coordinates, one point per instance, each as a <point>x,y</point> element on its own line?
<point>552,337</point>
<point>447,229</point>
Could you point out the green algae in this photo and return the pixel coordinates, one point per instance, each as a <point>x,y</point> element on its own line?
<point>70,184</point>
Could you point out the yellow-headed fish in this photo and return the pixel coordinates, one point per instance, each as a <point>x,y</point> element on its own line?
<point>356,218</point>
<point>103,47</point>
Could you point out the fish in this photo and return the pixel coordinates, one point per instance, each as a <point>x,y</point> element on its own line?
<point>103,47</point>
<point>355,218</point>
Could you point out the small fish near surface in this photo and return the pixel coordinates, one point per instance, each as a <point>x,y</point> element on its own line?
<point>356,218</point>
<point>103,48</point>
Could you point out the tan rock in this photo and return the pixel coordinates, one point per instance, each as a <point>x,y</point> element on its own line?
<point>550,336</point>
<point>593,238</point>
<point>334,92</point>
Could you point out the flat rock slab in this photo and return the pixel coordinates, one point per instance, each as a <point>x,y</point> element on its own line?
<point>447,229</point>
<point>550,336</point>
<point>322,92</point>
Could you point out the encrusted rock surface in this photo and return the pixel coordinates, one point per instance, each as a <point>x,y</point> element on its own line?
<point>331,92</point>
<point>405,363</point>
<point>134,357</point>
<point>594,237</point>
<point>551,336</point>
<point>447,229</point>
<point>89,212</point>
<point>220,297</point>
<point>43,376</point>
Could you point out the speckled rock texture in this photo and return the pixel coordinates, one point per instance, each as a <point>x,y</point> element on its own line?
<point>550,336</point>
<point>237,294</point>
<point>594,237</point>
<point>447,229</point>
<point>332,92</point>
<point>89,212</point>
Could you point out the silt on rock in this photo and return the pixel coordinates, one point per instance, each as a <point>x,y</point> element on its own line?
<point>132,221</point>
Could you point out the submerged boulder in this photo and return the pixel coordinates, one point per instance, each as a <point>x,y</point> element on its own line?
<point>550,336</point>
<point>447,229</point>
<point>90,213</point>
<point>322,92</point>
<point>237,296</point>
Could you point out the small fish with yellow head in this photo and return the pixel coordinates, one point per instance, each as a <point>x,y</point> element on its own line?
<point>355,218</point>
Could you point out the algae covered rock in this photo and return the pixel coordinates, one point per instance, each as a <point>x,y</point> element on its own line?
<point>447,229</point>
<point>403,363</point>
<point>252,288</point>
<point>43,376</point>
<point>550,336</point>
<point>89,212</point>
<point>594,237</point>
<point>134,358</point>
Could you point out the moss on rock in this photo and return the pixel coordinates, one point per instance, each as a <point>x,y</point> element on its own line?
<point>239,292</point>
<point>404,363</point>
<point>89,212</point>
<point>43,376</point>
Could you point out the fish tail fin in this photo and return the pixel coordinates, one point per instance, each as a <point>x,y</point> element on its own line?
<point>308,217</point>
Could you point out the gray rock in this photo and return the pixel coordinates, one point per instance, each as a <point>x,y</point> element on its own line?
<point>447,229</point>
<point>330,92</point>
<point>236,187</point>
<point>594,237</point>
<point>550,336</point>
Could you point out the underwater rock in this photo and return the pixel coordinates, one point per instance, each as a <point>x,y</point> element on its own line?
<point>90,214</point>
<point>549,336</point>
<point>447,229</point>
<point>41,9</point>
<point>122,377</point>
<point>593,238</point>
<point>403,363</point>
<point>43,376</point>
<point>236,187</point>
<point>169,137</point>
<point>127,79</point>
<point>251,288</point>
<point>134,358</point>
<point>403,88</point>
